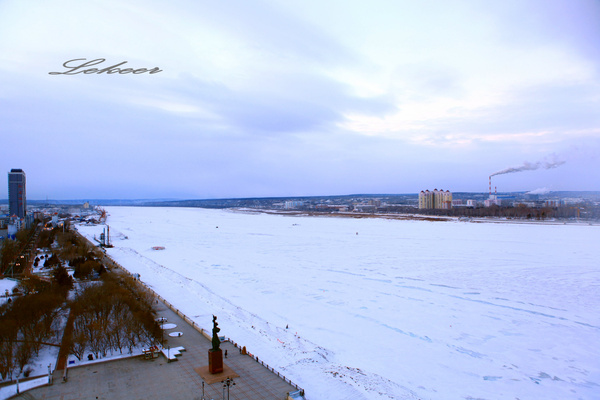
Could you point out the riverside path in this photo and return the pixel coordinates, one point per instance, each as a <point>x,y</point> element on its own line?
<point>136,378</point>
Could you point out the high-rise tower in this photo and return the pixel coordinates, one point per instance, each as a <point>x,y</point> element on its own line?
<point>17,199</point>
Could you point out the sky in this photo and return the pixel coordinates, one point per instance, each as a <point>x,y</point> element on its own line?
<point>297,98</point>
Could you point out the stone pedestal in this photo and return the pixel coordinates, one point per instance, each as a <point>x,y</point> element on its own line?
<point>215,361</point>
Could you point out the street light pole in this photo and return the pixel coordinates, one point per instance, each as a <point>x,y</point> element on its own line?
<point>226,384</point>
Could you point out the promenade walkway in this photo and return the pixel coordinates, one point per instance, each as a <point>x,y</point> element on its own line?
<point>136,378</point>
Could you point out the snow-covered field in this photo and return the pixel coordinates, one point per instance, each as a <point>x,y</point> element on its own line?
<point>379,308</point>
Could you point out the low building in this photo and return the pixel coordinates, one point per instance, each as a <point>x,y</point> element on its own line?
<point>370,208</point>
<point>529,204</point>
<point>492,202</point>
<point>292,204</point>
<point>552,203</point>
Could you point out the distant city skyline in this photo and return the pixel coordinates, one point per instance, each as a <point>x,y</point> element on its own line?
<point>281,99</point>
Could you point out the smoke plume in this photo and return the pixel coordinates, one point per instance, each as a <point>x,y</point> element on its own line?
<point>546,163</point>
<point>539,191</point>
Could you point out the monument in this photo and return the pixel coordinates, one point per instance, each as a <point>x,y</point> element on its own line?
<point>215,355</point>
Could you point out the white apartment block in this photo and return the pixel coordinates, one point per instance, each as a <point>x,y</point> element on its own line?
<point>438,199</point>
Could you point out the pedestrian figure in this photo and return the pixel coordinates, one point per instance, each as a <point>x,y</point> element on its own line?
<point>225,353</point>
<point>287,326</point>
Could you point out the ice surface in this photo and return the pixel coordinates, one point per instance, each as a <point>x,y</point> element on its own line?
<point>379,308</point>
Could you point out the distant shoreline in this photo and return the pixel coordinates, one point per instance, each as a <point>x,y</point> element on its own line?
<point>410,217</point>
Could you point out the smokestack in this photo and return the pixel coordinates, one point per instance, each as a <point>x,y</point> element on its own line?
<point>495,190</point>
<point>490,185</point>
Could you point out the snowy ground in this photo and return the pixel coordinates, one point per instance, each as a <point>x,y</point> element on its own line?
<point>6,285</point>
<point>9,391</point>
<point>112,355</point>
<point>382,309</point>
<point>47,356</point>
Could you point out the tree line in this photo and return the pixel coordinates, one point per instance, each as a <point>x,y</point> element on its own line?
<point>111,314</point>
<point>520,212</point>
<point>26,322</point>
<point>10,249</point>
<point>114,314</point>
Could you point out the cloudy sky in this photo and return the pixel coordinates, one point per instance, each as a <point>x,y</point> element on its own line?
<point>299,97</point>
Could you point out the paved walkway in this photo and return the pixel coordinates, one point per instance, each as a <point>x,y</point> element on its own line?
<point>136,378</point>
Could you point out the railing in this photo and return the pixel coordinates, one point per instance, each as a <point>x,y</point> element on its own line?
<point>269,367</point>
<point>204,333</point>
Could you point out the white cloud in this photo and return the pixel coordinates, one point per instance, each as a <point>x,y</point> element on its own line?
<point>300,91</point>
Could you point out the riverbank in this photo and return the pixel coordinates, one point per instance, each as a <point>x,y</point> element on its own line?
<point>416,217</point>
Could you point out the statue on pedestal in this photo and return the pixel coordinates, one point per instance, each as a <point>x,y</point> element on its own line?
<point>215,355</point>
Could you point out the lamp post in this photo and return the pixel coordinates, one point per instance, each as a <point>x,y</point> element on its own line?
<point>226,384</point>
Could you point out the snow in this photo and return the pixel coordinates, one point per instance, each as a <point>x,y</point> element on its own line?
<point>47,356</point>
<point>382,309</point>
<point>73,361</point>
<point>39,364</point>
<point>11,390</point>
<point>6,284</point>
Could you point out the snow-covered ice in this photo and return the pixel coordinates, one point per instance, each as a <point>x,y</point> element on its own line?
<point>376,309</point>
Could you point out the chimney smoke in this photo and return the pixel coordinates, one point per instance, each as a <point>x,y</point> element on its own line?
<point>553,162</point>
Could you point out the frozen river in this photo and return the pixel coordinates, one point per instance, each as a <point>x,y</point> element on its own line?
<point>383,309</point>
